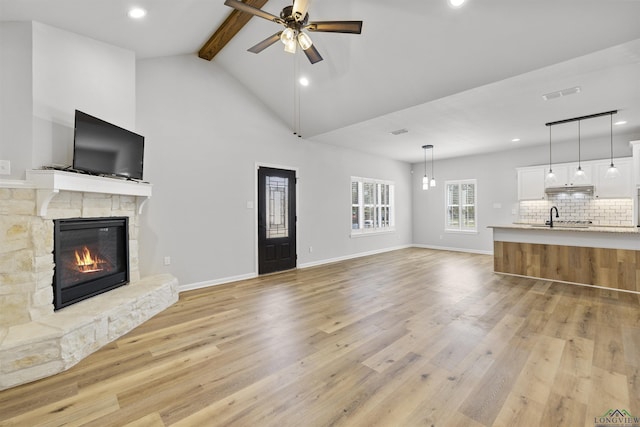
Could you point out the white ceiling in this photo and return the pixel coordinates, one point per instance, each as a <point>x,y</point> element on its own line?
<point>466,80</point>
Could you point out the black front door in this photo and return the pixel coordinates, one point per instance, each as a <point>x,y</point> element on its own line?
<point>276,220</point>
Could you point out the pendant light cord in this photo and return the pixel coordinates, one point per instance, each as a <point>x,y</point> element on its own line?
<point>432,175</point>
<point>296,96</point>
<point>579,164</point>
<point>550,169</point>
<point>295,109</point>
<point>425,161</point>
<point>611,137</point>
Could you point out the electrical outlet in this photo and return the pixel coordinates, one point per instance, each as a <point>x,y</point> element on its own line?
<point>5,167</point>
<point>167,260</point>
<point>310,249</point>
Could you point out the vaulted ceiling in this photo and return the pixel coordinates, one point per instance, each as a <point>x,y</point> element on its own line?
<point>467,80</point>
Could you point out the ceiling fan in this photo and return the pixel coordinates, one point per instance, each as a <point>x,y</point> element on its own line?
<point>295,19</point>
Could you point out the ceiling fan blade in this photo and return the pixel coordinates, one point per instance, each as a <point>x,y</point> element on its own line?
<point>353,27</point>
<point>300,8</point>
<point>265,43</point>
<point>313,55</point>
<point>243,7</point>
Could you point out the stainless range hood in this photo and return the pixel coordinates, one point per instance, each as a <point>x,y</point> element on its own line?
<point>587,189</point>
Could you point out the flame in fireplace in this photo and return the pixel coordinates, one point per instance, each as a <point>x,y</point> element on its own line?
<point>88,263</point>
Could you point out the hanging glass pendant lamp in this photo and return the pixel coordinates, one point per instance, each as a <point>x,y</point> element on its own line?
<point>551,179</point>
<point>425,179</point>
<point>579,177</point>
<point>613,171</point>
<point>432,183</point>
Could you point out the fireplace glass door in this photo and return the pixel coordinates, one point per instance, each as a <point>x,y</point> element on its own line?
<point>91,256</point>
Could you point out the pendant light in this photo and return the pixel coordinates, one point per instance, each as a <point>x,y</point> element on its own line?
<point>551,179</point>
<point>579,177</point>
<point>613,171</point>
<point>425,179</point>
<point>432,183</point>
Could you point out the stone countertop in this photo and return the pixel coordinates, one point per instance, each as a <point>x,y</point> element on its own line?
<point>590,229</point>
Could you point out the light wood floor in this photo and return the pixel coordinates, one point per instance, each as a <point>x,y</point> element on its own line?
<point>408,338</point>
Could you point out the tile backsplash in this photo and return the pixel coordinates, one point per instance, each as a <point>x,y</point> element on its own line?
<point>579,207</point>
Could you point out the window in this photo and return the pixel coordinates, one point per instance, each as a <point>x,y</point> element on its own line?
<point>461,205</point>
<point>371,205</point>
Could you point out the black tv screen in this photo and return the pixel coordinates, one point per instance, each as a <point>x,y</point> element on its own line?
<point>103,148</point>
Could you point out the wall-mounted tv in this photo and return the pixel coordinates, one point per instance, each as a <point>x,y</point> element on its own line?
<point>102,148</point>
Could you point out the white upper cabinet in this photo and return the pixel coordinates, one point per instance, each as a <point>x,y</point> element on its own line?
<point>618,187</point>
<point>531,183</point>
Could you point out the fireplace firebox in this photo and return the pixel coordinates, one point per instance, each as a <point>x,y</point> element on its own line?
<point>91,256</point>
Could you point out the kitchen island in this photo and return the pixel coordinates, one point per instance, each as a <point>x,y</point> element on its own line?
<point>608,257</point>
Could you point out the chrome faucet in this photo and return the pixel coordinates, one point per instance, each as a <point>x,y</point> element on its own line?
<point>551,215</point>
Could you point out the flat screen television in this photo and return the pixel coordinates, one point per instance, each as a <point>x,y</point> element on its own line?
<point>102,148</point>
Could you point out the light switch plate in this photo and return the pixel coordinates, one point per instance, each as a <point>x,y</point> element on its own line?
<point>5,167</point>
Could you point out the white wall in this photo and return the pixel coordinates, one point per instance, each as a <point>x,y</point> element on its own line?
<point>497,188</point>
<point>204,135</point>
<point>16,96</point>
<point>75,72</point>
<point>47,74</point>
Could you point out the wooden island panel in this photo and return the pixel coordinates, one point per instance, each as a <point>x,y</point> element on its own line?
<point>610,268</point>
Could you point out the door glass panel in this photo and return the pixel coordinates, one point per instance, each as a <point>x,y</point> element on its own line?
<point>277,189</point>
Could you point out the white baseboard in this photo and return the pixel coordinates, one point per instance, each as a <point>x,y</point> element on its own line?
<point>208,283</point>
<point>351,256</point>
<point>444,248</point>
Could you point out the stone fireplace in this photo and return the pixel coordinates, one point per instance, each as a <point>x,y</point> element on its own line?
<point>37,341</point>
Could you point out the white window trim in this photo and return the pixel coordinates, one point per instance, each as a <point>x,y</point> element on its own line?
<point>361,232</point>
<point>446,206</point>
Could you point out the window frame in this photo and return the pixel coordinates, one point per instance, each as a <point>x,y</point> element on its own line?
<point>459,229</point>
<point>380,225</point>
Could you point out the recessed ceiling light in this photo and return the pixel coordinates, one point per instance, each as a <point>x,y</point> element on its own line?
<point>137,13</point>
<point>304,81</point>
<point>456,3</point>
<point>621,122</point>
<point>515,140</point>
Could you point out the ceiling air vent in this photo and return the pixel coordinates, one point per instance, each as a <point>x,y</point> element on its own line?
<point>399,132</point>
<point>561,93</point>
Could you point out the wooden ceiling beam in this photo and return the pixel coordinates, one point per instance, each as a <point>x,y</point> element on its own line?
<point>229,28</point>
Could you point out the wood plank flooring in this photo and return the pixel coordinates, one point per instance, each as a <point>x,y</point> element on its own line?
<point>407,338</point>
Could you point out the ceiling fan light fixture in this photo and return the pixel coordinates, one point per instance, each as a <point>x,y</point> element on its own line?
<point>287,36</point>
<point>290,46</point>
<point>304,40</point>
<point>294,18</point>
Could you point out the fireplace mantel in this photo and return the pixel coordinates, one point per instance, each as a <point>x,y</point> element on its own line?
<point>48,183</point>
